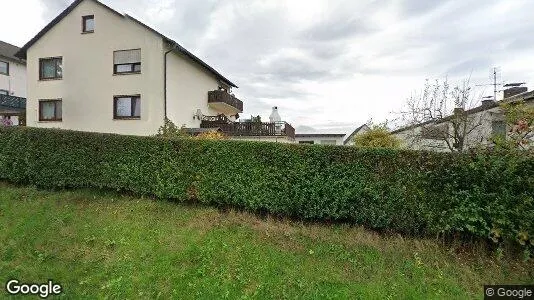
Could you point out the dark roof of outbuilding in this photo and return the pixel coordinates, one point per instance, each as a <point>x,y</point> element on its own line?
<point>8,51</point>
<point>177,47</point>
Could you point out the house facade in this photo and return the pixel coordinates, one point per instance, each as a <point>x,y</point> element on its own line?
<point>94,69</point>
<point>320,138</point>
<point>12,85</point>
<point>481,123</point>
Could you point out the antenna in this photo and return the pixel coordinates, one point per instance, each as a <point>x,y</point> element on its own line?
<point>493,75</point>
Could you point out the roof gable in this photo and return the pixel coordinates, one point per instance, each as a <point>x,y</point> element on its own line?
<point>177,47</point>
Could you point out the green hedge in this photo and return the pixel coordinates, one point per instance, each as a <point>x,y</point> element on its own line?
<point>422,193</point>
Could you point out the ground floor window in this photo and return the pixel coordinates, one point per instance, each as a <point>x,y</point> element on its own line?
<point>127,107</point>
<point>306,142</point>
<point>50,110</point>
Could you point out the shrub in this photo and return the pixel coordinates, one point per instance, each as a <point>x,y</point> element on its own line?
<point>477,195</point>
<point>377,137</point>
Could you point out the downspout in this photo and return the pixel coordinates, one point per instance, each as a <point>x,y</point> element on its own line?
<point>165,82</point>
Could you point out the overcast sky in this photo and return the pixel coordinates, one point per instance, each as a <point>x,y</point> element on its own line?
<point>328,65</point>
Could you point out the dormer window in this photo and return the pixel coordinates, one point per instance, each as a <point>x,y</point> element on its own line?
<point>88,24</point>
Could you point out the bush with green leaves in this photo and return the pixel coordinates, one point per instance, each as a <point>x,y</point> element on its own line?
<point>473,195</point>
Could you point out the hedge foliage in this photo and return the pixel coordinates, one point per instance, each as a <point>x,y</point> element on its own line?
<point>488,195</point>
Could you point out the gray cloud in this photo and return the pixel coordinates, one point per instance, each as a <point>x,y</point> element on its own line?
<point>246,40</point>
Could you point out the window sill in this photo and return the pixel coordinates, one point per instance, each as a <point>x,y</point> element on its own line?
<point>126,73</point>
<point>6,74</point>
<point>50,79</point>
<point>122,119</point>
<point>50,121</point>
<point>87,32</point>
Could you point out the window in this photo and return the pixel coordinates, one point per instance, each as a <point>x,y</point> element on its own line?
<point>4,68</point>
<point>435,132</point>
<point>88,24</point>
<point>50,110</point>
<point>127,107</point>
<point>498,128</point>
<point>4,92</point>
<point>306,142</point>
<point>127,61</point>
<point>51,68</point>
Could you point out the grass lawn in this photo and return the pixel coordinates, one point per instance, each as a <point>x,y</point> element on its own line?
<point>101,244</point>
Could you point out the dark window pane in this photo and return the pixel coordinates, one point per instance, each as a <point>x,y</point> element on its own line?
<point>4,67</point>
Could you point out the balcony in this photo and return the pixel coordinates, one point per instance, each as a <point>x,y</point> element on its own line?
<point>252,129</point>
<point>224,102</point>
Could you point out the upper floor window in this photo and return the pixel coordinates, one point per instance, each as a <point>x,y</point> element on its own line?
<point>127,107</point>
<point>88,24</point>
<point>4,68</point>
<point>127,61</point>
<point>51,68</point>
<point>50,110</point>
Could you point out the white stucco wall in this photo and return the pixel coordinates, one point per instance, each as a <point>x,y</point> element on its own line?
<point>320,140</point>
<point>15,82</point>
<point>88,83</point>
<point>188,85</point>
<point>481,135</point>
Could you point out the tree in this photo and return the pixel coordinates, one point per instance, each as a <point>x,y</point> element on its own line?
<point>439,114</point>
<point>378,136</point>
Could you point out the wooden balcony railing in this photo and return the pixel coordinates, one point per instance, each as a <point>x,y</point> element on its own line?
<point>249,128</point>
<point>221,96</point>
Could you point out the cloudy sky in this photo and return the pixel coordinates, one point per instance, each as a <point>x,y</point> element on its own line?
<point>328,65</point>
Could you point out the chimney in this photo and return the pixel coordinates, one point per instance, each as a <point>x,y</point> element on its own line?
<point>488,103</point>
<point>275,117</point>
<point>512,89</point>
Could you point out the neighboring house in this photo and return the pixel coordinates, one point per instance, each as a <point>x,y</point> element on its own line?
<point>12,71</point>
<point>486,121</point>
<point>349,141</point>
<point>320,138</point>
<point>94,69</point>
<point>12,85</point>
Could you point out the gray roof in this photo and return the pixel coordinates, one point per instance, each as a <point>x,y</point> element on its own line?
<point>349,138</point>
<point>319,135</point>
<point>176,47</point>
<point>8,51</point>
<point>525,96</point>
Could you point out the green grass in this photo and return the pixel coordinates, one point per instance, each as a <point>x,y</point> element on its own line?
<point>100,244</point>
